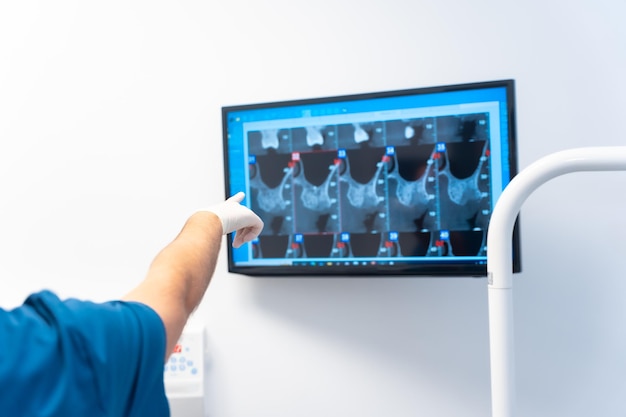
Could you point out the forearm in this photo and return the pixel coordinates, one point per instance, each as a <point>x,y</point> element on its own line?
<point>189,261</point>
<point>180,274</point>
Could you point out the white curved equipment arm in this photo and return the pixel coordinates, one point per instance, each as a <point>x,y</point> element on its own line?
<point>499,259</point>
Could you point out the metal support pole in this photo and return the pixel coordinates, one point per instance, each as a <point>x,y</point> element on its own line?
<point>499,256</point>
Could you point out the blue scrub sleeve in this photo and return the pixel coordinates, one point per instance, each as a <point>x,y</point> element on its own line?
<point>78,358</point>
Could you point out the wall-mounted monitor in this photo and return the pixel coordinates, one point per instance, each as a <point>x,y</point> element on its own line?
<point>385,183</point>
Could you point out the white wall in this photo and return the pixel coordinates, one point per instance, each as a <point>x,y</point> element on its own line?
<point>110,135</point>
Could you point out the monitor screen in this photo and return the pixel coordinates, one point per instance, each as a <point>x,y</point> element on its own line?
<point>384,183</point>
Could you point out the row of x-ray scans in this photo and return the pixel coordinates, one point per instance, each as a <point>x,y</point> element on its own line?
<point>394,188</point>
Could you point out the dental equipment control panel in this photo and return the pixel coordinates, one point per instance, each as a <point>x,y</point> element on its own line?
<point>183,374</point>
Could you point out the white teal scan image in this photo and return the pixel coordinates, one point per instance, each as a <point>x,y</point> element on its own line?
<point>372,188</point>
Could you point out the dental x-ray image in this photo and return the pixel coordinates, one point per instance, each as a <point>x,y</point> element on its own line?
<point>340,190</point>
